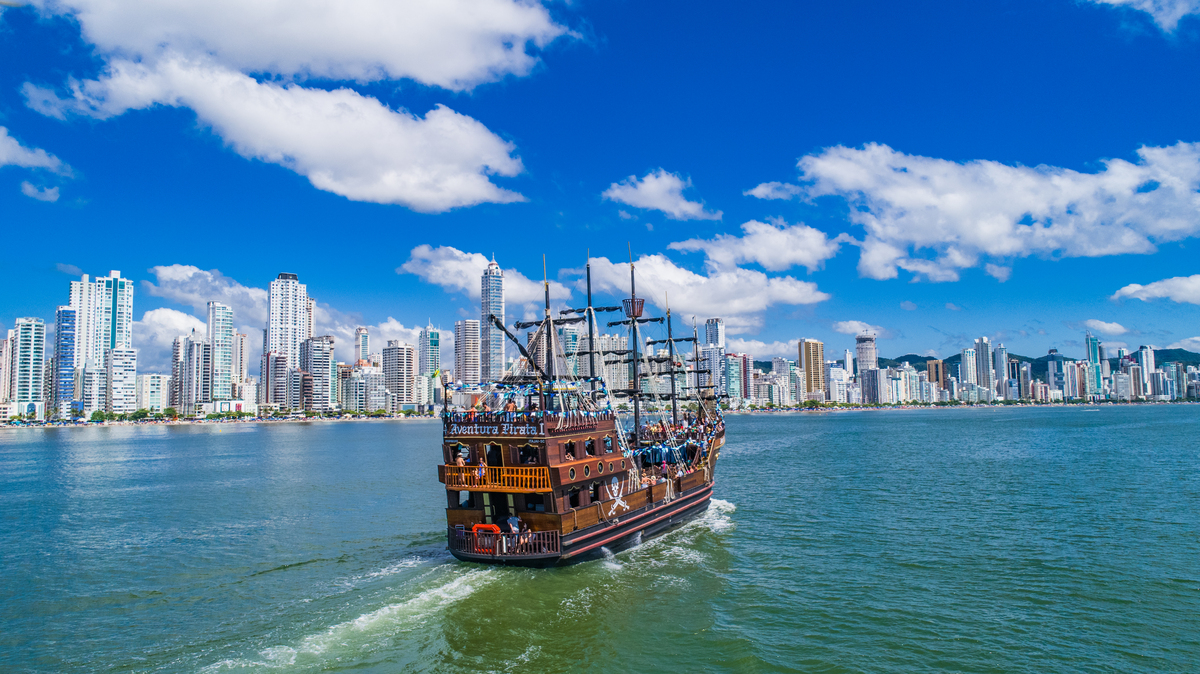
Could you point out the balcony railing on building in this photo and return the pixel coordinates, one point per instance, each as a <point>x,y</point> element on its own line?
<point>497,479</point>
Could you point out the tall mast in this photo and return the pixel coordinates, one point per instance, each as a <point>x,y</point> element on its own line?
<point>591,322</point>
<point>633,311</point>
<point>549,328</point>
<point>671,364</point>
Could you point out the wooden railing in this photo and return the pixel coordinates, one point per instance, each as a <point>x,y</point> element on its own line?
<point>500,479</point>
<point>527,544</point>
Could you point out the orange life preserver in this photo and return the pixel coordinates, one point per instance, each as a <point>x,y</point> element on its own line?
<point>485,544</point>
<point>486,528</point>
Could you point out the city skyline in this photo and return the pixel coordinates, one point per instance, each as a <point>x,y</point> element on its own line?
<point>956,210</point>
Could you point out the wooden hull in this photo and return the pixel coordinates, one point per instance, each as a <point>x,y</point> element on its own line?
<point>630,529</point>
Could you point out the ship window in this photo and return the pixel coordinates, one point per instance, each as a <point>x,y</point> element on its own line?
<point>569,450</point>
<point>595,492</point>
<point>460,449</point>
<point>608,444</point>
<point>527,454</point>
<point>573,498</point>
<point>589,446</point>
<point>494,457</point>
<point>466,500</point>
<point>599,466</point>
<point>535,503</point>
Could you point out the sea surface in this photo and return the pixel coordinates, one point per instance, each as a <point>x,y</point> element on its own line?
<point>1006,540</point>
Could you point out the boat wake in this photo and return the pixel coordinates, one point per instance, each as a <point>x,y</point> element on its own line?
<point>425,601</point>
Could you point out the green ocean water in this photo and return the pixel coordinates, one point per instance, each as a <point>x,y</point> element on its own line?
<point>902,541</point>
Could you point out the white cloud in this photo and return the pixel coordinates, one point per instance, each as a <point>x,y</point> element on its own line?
<point>1179,288</point>
<point>908,306</point>
<point>1113,346</point>
<point>777,246</point>
<point>45,194</point>
<point>342,141</point>
<point>1190,344</point>
<point>662,191</point>
<point>194,287</point>
<point>997,271</point>
<point>200,55</point>
<point>774,190</point>
<point>1105,328</point>
<point>12,153</point>
<point>935,217</point>
<point>156,332</point>
<point>953,307</point>
<point>740,296</point>
<point>1166,13</point>
<point>454,44</point>
<point>459,271</point>
<point>758,349</point>
<point>859,327</point>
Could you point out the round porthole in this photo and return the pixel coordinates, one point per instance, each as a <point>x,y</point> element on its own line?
<point>622,464</point>
<point>572,473</point>
<point>599,466</point>
<point>610,466</point>
<point>587,470</point>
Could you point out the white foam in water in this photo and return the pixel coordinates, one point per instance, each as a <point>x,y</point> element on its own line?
<point>610,561</point>
<point>391,569</point>
<point>384,621</point>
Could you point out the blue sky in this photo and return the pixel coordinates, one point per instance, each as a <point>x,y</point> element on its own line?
<point>937,170</point>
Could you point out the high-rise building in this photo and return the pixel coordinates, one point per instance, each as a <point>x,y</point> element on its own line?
<point>491,339</point>
<point>714,332</point>
<point>84,300</point>
<point>429,350</point>
<point>362,344</point>
<point>466,351</point>
<point>220,339</point>
<point>400,373</point>
<point>936,370</point>
<point>240,388</point>
<point>733,377</point>
<point>27,346</point>
<point>152,392</point>
<point>1145,358</point>
<point>120,380</point>
<point>114,312</point>
<point>317,359</point>
<point>848,362</point>
<point>712,367</point>
<point>191,373</point>
<point>1000,372</point>
<point>812,361</point>
<point>984,376</point>
<point>864,346</point>
<point>289,323</point>
<point>6,355</point>
<point>64,361</point>
<point>90,391</point>
<point>967,372</point>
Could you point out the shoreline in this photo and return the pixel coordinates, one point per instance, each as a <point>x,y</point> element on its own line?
<point>209,422</point>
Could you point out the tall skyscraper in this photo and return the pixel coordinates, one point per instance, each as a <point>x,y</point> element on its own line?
<point>714,332</point>
<point>430,350</point>
<point>983,367</point>
<point>120,380</point>
<point>28,353</point>
<point>289,323</point>
<point>191,373</point>
<point>400,373</point>
<point>864,346</point>
<point>1000,371</point>
<point>241,367</point>
<point>968,373</point>
<point>491,339</point>
<point>936,371</point>
<point>848,362</point>
<point>362,344</point>
<point>6,354</point>
<point>220,338</point>
<point>83,299</point>
<point>1145,358</point>
<point>466,351</point>
<point>317,359</point>
<point>64,361</point>
<point>114,311</point>
<point>812,360</point>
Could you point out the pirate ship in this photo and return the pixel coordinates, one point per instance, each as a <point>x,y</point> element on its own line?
<point>551,465</point>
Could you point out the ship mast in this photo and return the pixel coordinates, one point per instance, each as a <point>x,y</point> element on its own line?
<point>591,323</point>
<point>633,309</point>
<point>550,373</point>
<point>671,364</point>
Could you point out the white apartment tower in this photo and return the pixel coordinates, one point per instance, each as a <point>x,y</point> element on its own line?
<point>220,338</point>
<point>864,347</point>
<point>491,339</point>
<point>317,359</point>
<point>466,351</point>
<point>114,312</point>
<point>83,300</point>
<point>967,373</point>
<point>289,323</point>
<point>714,332</point>
<point>120,381</point>
<point>152,391</point>
<point>984,376</point>
<point>27,353</point>
<point>240,358</point>
<point>362,344</point>
<point>400,373</point>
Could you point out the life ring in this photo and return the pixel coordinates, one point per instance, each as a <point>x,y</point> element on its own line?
<point>486,528</point>
<point>485,544</point>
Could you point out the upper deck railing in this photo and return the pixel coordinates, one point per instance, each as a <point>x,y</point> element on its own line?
<point>519,424</point>
<point>498,479</point>
<point>526,544</point>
